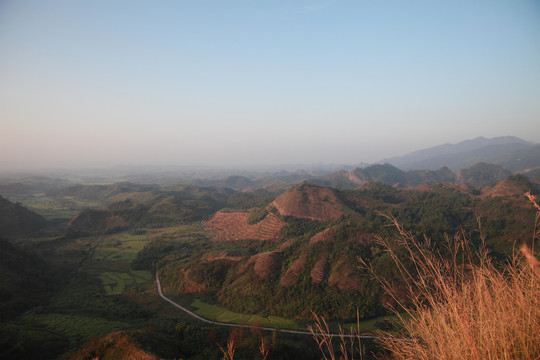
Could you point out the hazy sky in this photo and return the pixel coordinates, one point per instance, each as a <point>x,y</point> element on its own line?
<point>251,82</point>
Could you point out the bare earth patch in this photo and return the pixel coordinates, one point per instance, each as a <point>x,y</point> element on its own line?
<point>222,255</point>
<point>310,202</point>
<point>264,264</point>
<point>319,270</point>
<point>290,276</point>
<point>191,286</point>
<point>503,188</point>
<point>344,276</point>
<point>233,226</point>
<point>330,235</point>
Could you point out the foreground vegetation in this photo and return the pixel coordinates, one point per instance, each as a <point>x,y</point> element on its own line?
<point>472,309</point>
<point>462,306</point>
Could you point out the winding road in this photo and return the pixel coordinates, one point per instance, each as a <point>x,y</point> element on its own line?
<point>198,317</point>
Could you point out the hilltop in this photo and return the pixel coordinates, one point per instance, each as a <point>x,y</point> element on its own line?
<point>307,201</point>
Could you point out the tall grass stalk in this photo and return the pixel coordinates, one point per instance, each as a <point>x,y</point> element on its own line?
<point>228,352</point>
<point>463,306</point>
<point>347,346</point>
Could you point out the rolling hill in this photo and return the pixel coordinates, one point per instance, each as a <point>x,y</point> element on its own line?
<point>311,261</point>
<point>307,201</point>
<point>17,220</point>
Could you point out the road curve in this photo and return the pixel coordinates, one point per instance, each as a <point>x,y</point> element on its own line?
<point>298,332</point>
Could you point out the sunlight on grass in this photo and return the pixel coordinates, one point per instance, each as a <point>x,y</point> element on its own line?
<point>115,283</point>
<point>221,314</point>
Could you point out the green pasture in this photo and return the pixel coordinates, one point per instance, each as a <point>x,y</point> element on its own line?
<point>53,208</point>
<point>221,314</point>
<point>126,249</point>
<point>115,283</point>
<point>372,324</point>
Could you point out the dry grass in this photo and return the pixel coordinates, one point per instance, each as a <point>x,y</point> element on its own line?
<point>342,347</point>
<point>228,352</point>
<point>464,307</point>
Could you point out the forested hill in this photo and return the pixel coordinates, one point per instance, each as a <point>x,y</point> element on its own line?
<point>17,220</point>
<point>312,263</point>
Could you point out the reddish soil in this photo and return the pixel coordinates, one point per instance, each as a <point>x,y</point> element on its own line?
<point>503,188</point>
<point>287,243</point>
<point>222,255</point>
<point>116,345</point>
<point>344,276</point>
<point>264,264</point>
<point>189,285</point>
<point>289,278</point>
<point>330,235</point>
<point>352,177</point>
<point>319,270</point>
<point>233,226</point>
<point>325,235</point>
<point>310,202</point>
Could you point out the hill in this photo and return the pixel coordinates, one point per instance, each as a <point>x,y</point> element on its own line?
<point>100,192</point>
<point>311,260</point>
<point>482,174</point>
<point>514,186</point>
<point>307,201</point>
<point>24,278</point>
<point>526,161</point>
<point>477,176</point>
<point>385,173</point>
<point>118,345</point>
<point>17,220</point>
<point>235,226</point>
<point>145,206</point>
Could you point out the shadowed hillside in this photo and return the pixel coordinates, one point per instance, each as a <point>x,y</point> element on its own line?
<point>17,220</point>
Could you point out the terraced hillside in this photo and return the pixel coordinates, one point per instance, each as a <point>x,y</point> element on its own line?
<point>234,226</point>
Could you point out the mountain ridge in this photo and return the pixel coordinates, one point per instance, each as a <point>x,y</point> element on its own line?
<point>459,155</point>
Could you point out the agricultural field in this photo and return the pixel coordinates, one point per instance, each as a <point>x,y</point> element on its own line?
<point>121,247</point>
<point>56,208</point>
<point>116,283</point>
<point>221,314</point>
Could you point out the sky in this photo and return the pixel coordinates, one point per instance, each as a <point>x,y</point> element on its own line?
<point>241,83</point>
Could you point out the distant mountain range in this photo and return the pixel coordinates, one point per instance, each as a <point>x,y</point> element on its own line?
<point>477,162</point>
<point>509,152</point>
<point>464,162</point>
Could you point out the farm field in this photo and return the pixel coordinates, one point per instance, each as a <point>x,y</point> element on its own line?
<point>124,247</point>
<point>115,283</point>
<point>56,208</point>
<point>221,314</point>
